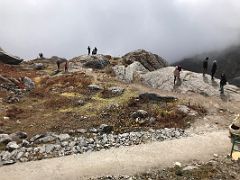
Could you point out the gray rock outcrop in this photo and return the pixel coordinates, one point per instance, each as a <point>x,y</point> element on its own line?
<point>150,61</point>
<point>98,61</point>
<point>6,58</point>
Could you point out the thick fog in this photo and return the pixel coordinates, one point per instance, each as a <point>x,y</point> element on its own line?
<point>171,28</point>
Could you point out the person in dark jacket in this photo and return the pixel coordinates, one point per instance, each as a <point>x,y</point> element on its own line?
<point>41,55</point>
<point>205,66</point>
<point>95,49</point>
<point>89,50</point>
<point>214,69</point>
<point>223,82</point>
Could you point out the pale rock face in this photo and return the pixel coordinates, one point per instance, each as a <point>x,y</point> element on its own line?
<point>189,82</point>
<point>128,73</point>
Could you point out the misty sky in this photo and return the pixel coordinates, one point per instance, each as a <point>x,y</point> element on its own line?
<point>172,29</point>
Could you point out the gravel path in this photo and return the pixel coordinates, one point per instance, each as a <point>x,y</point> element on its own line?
<point>121,161</point>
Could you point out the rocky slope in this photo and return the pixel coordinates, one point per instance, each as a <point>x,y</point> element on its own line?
<point>44,114</point>
<point>189,82</point>
<point>162,78</point>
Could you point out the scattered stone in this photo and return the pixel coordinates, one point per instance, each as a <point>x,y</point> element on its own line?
<point>46,139</point>
<point>81,131</point>
<point>104,128</point>
<point>9,162</point>
<point>187,110</point>
<point>139,114</point>
<point>28,83</point>
<point>20,135</point>
<point>12,146</point>
<point>5,138</point>
<point>93,130</point>
<point>19,155</point>
<point>189,168</point>
<point>25,143</point>
<point>215,155</point>
<point>177,164</point>
<point>49,148</point>
<point>80,103</point>
<point>63,137</point>
<point>6,118</point>
<point>94,87</point>
<point>39,66</point>
<point>116,90</point>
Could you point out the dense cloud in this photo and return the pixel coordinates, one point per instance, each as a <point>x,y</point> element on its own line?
<point>170,28</point>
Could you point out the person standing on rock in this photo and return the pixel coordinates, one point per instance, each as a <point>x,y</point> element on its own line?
<point>205,66</point>
<point>66,67</point>
<point>93,51</point>
<point>176,73</point>
<point>41,55</point>
<point>223,82</point>
<point>89,50</point>
<point>214,69</point>
<point>96,50</point>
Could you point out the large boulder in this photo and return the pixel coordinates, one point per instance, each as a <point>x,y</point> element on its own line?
<point>98,61</point>
<point>96,64</point>
<point>147,59</point>
<point>6,58</point>
<point>128,73</point>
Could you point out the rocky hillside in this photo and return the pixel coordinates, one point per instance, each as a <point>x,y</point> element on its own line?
<point>46,113</point>
<point>228,61</point>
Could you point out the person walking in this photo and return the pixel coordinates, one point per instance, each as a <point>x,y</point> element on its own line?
<point>93,52</point>
<point>89,50</point>
<point>223,82</point>
<point>205,66</point>
<point>214,69</point>
<point>176,73</point>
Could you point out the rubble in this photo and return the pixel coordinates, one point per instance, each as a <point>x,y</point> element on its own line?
<point>53,145</point>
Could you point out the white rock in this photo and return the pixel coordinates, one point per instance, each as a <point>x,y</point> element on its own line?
<point>12,145</point>
<point>63,137</point>
<point>177,164</point>
<point>6,118</point>
<point>5,138</point>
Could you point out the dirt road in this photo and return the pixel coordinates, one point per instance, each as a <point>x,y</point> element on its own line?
<point>122,161</point>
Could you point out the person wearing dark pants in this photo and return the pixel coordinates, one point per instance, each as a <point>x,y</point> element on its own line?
<point>89,50</point>
<point>214,69</point>
<point>223,82</point>
<point>205,66</point>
